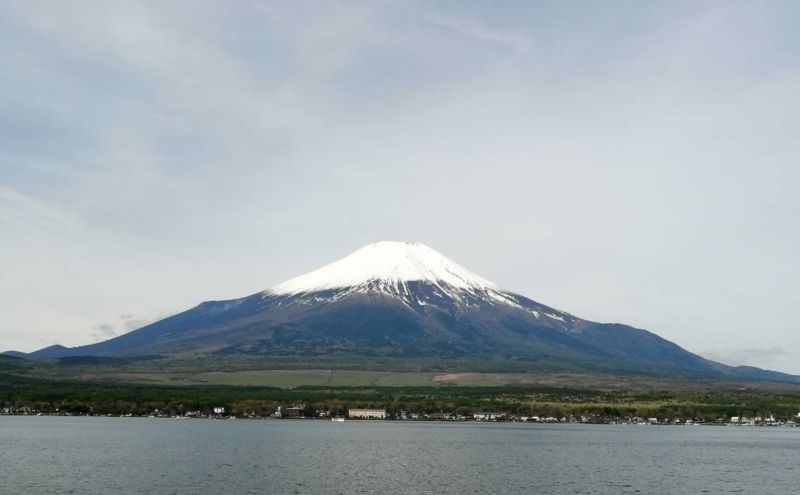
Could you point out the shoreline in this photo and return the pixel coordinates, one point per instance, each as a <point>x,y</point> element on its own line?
<point>776,425</point>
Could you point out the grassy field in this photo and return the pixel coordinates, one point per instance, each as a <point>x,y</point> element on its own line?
<point>360,378</point>
<point>296,378</point>
<point>300,378</point>
<point>285,374</point>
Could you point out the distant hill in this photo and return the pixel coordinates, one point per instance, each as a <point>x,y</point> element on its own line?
<point>405,300</point>
<point>10,362</point>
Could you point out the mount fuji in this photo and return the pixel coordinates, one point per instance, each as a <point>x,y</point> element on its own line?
<point>402,299</point>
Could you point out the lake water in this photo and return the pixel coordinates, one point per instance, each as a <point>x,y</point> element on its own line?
<point>41,455</point>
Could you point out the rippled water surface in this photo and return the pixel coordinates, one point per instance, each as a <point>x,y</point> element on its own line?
<point>130,455</point>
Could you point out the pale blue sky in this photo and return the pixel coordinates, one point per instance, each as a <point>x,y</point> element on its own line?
<point>623,161</point>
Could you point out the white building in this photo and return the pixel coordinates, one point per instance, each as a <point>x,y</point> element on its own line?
<point>367,413</point>
<point>486,416</point>
<point>219,410</point>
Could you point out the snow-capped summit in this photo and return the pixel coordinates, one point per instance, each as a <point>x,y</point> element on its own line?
<point>412,274</point>
<point>388,264</point>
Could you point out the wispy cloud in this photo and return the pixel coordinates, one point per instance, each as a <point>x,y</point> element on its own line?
<point>124,324</point>
<point>21,211</point>
<point>749,356</point>
<point>130,323</point>
<point>103,331</point>
<point>474,30</point>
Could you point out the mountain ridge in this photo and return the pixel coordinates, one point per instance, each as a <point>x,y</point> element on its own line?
<point>404,300</point>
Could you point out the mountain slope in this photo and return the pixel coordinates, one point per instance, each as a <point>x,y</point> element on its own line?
<point>404,299</point>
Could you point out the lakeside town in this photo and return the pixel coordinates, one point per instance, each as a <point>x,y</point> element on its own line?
<point>299,411</point>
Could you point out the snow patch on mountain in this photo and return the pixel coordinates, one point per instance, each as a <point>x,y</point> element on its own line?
<point>387,264</point>
<point>410,273</point>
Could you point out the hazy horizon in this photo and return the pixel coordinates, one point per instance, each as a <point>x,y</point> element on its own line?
<point>631,164</point>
